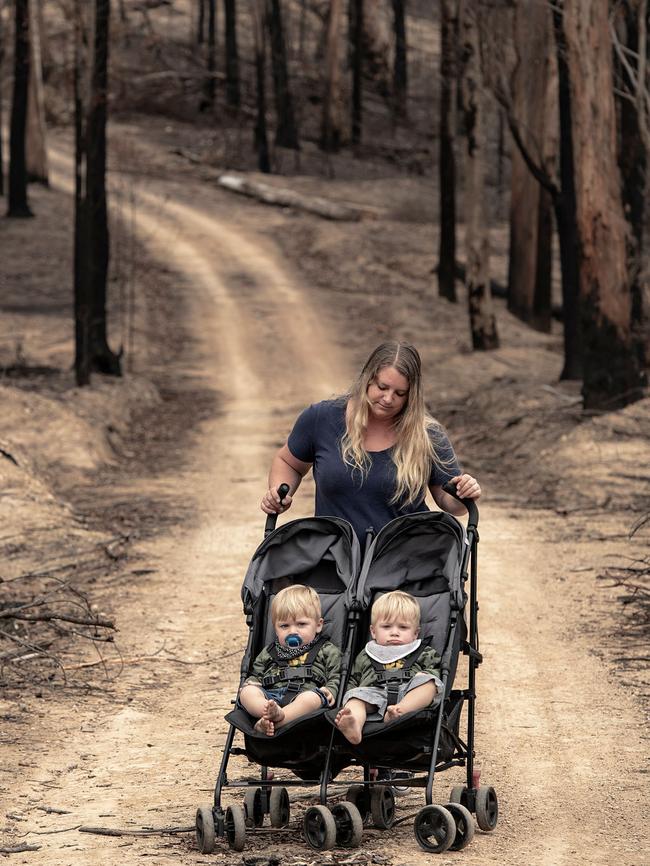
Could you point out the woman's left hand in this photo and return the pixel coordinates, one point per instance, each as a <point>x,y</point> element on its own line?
<point>467,487</point>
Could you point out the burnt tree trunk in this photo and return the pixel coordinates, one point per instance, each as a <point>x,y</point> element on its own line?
<point>210,87</point>
<point>18,205</point>
<point>612,369</point>
<point>529,271</point>
<point>477,277</point>
<point>36,137</point>
<point>103,360</point>
<point>356,63</point>
<point>286,132</point>
<point>447,158</point>
<point>564,205</point>
<point>200,32</point>
<point>633,163</point>
<point>400,68</point>
<point>233,96</point>
<point>2,56</point>
<point>82,305</point>
<point>261,138</point>
<point>332,121</point>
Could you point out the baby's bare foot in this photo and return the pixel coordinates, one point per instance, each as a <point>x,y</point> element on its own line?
<point>349,725</point>
<point>273,712</point>
<point>393,712</point>
<point>265,726</point>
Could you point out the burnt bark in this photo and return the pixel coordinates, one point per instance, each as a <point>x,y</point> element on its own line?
<point>2,55</point>
<point>82,315</point>
<point>612,372</point>
<point>261,138</point>
<point>210,84</point>
<point>356,22</point>
<point>18,205</point>
<point>332,120</point>
<point>529,271</point>
<point>200,31</point>
<point>447,159</point>
<point>286,131</point>
<point>233,96</point>
<point>481,314</point>
<point>400,68</point>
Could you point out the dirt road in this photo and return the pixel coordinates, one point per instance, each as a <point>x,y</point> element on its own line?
<point>559,740</point>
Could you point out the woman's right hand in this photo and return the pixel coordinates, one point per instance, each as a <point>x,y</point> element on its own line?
<point>270,503</point>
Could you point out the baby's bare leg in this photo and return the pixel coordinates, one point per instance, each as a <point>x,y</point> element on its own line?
<point>417,699</point>
<point>351,719</point>
<point>253,699</point>
<point>303,704</point>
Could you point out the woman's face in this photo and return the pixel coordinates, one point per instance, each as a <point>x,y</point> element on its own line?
<point>387,394</point>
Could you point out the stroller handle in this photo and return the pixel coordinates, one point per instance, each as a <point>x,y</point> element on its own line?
<point>271,519</point>
<point>469,504</point>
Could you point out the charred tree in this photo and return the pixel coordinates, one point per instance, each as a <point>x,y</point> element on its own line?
<point>400,68</point>
<point>332,121</point>
<point>447,158</point>
<point>286,132</point>
<point>82,305</point>
<point>210,86</point>
<point>261,138</point>
<point>18,204</point>
<point>36,136</point>
<point>233,96</point>
<point>612,372</point>
<point>356,19</point>
<point>477,275</point>
<point>92,245</point>
<point>529,265</point>
<point>2,54</point>
<point>200,30</point>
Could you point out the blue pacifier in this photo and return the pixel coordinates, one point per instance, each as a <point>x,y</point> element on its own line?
<point>293,641</point>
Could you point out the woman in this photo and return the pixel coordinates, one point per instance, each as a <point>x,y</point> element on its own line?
<point>374,451</point>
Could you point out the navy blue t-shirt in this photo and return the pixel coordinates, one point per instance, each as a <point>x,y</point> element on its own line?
<point>342,492</point>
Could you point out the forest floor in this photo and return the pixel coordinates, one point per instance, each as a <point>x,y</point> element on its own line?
<point>144,495</point>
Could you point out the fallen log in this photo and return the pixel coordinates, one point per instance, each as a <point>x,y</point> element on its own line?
<point>282,197</point>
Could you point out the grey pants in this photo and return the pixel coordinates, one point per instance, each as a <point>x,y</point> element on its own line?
<point>378,695</point>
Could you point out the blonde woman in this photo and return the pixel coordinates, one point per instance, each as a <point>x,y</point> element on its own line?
<point>374,452</point>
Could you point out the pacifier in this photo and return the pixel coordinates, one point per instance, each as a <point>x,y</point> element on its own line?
<point>293,641</point>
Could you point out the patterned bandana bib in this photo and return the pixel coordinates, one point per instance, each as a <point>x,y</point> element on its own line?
<point>286,653</point>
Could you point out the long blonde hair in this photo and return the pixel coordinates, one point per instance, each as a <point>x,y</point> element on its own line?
<point>417,432</point>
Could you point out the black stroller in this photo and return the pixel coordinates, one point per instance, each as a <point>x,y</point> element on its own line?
<point>427,555</point>
<point>322,553</point>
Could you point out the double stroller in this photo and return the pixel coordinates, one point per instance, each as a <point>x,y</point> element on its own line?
<point>430,556</point>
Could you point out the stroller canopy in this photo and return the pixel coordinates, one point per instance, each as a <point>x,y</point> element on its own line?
<point>420,554</point>
<point>320,552</point>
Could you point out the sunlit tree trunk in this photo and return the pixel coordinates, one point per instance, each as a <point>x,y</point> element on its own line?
<point>18,205</point>
<point>36,137</point>
<point>233,97</point>
<point>447,158</point>
<point>529,266</point>
<point>612,369</point>
<point>286,132</point>
<point>332,122</point>
<point>477,276</point>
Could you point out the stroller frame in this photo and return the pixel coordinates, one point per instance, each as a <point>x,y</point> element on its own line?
<point>437,828</point>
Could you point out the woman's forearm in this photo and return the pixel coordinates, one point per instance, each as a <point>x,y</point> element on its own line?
<point>282,473</point>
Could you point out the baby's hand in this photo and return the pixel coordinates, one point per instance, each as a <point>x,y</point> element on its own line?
<point>328,695</point>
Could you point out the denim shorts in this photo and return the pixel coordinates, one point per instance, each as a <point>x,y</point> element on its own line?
<point>278,695</point>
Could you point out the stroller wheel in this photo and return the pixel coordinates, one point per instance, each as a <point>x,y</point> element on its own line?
<point>464,826</point>
<point>382,807</point>
<point>253,812</point>
<point>349,825</point>
<point>435,829</point>
<point>458,795</point>
<point>279,807</point>
<point>487,808</point>
<point>320,828</point>
<point>235,827</point>
<point>205,829</point>
<point>360,796</point>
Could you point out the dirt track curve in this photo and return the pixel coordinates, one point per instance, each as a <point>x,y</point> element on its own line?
<point>559,740</point>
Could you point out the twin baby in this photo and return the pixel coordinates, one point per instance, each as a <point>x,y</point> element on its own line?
<point>301,670</point>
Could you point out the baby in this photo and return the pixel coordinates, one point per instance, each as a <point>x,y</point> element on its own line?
<point>300,671</point>
<point>395,625</point>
